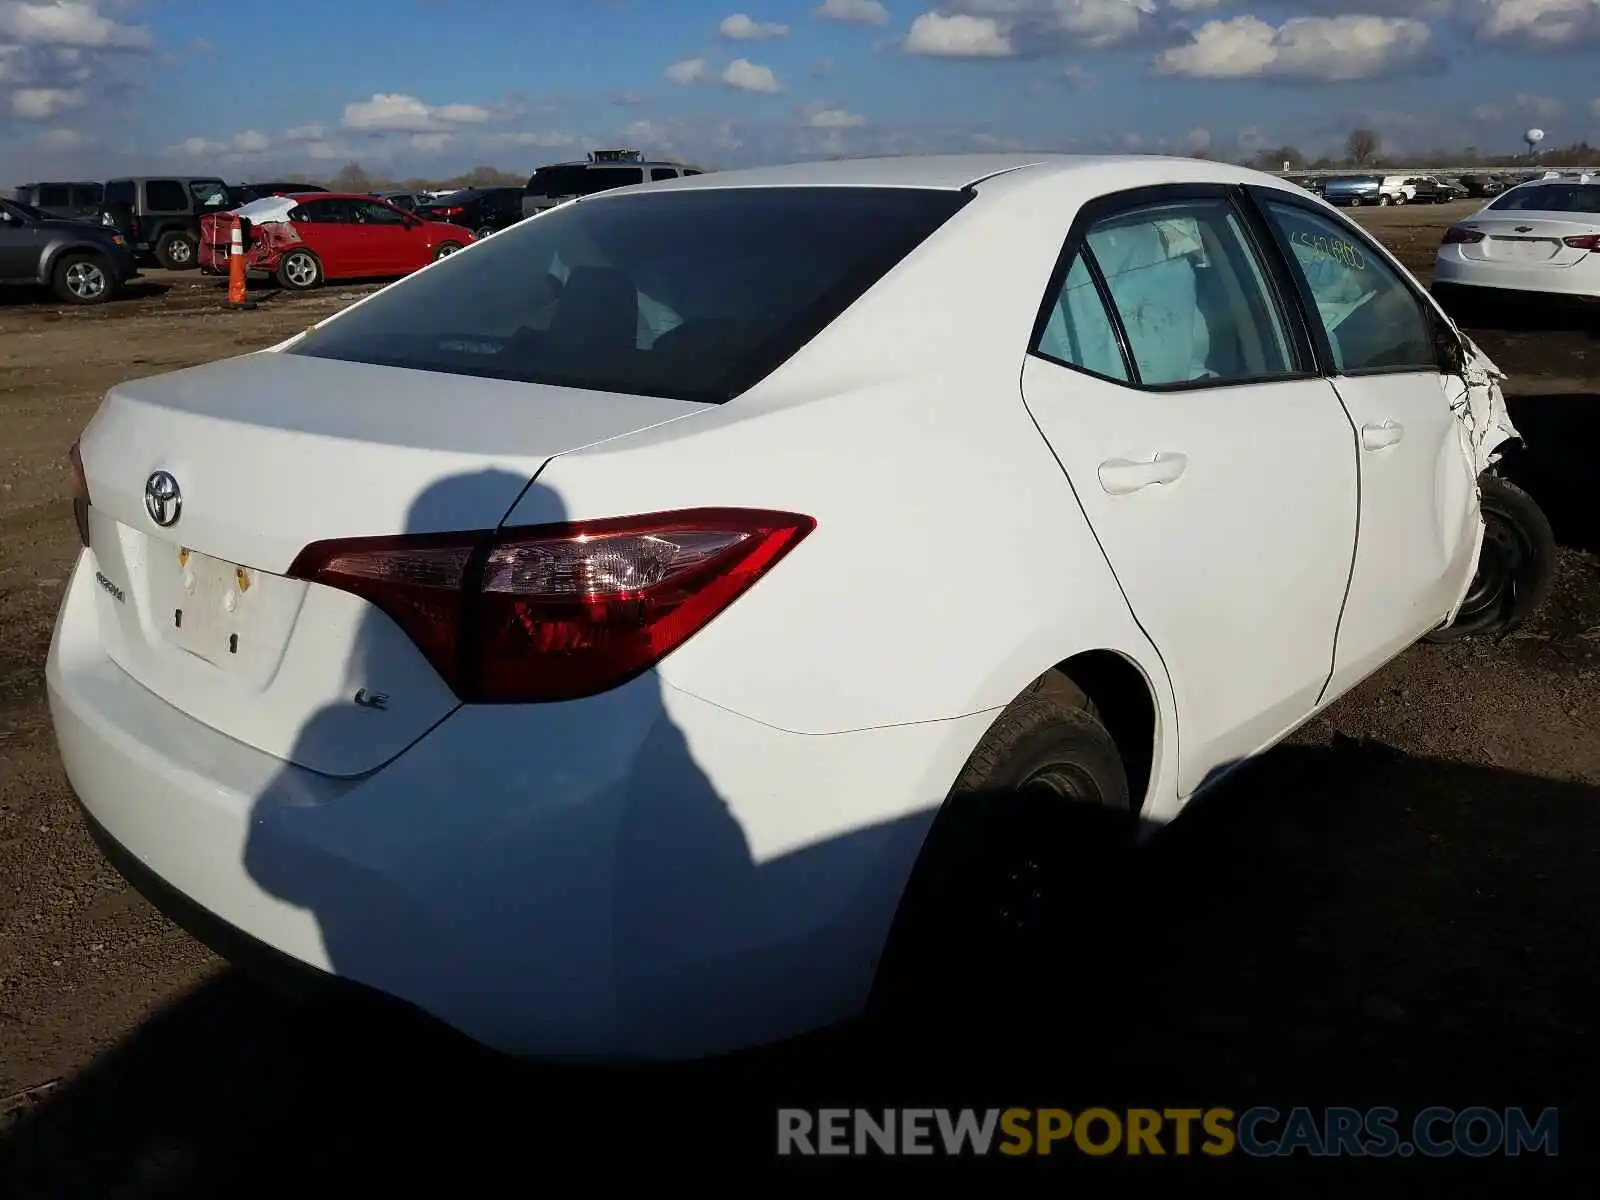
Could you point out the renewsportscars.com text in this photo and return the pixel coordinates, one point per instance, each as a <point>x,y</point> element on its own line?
<point>1259,1132</point>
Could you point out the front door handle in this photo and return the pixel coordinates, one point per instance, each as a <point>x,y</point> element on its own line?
<point>1119,476</point>
<point>1377,437</point>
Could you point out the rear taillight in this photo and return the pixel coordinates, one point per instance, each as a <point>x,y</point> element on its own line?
<point>1458,234</point>
<point>80,493</point>
<point>449,212</point>
<point>1583,241</point>
<point>558,612</point>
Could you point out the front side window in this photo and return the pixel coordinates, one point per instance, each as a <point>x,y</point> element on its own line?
<point>1191,297</point>
<point>53,195</point>
<point>85,195</point>
<point>120,192</point>
<point>1374,322</point>
<point>688,294</point>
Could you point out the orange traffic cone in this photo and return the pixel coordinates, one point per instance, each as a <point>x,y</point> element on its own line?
<point>237,299</point>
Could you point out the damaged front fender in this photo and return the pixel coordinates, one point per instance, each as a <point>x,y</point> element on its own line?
<point>1481,412</point>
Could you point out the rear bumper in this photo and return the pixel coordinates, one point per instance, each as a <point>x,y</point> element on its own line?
<point>1581,281</point>
<point>637,876</point>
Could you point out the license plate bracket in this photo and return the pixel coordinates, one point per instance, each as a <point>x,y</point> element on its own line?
<point>206,607</point>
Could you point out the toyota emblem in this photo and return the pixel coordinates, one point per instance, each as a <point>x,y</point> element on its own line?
<point>162,499</point>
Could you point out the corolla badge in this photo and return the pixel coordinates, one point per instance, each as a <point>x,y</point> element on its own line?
<point>162,499</point>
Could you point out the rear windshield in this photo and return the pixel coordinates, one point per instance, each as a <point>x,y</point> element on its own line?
<point>693,295</point>
<point>1552,197</point>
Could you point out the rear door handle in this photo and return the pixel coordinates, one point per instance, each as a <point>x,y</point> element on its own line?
<point>1119,476</point>
<point>1377,437</point>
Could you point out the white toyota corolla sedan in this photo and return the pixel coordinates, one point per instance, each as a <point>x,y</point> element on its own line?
<point>1541,237</point>
<point>702,609</point>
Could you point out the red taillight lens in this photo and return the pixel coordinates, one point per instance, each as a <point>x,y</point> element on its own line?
<point>447,212</point>
<point>80,492</point>
<point>558,612</point>
<point>1458,234</point>
<point>1584,241</point>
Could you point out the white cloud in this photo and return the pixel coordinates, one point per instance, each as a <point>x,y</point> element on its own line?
<point>1539,24</point>
<point>306,133</point>
<point>835,118</point>
<point>687,71</point>
<point>742,28</point>
<point>957,36</point>
<point>68,23</point>
<point>1546,108</point>
<point>429,143</point>
<point>42,103</point>
<point>59,140</point>
<point>1489,112</point>
<point>1188,6</point>
<point>1199,139</point>
<point>1594,106</point>
<point>248,144</point>
<point>251,141</point>
<point>747,76</point>
<point>853,12</point>
<point>1329,49</point>
<point>395,112</point>
<point>548,140</point>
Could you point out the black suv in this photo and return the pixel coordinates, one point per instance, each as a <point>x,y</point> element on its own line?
<point>83,263</point>
<point>160,215</point>
<point>604,170</point>
<point>75,201</point>
<point>482,210</point>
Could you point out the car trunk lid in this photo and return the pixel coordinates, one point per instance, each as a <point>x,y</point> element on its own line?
<point>1529,238</point>
<point>205,485</point>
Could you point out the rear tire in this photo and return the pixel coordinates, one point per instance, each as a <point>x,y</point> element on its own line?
<point>82,278</point>
<point>299,271</point>
<point>1516,567</point>
<point>177,251</point>
<point>445,250</point>
<point>1022,865</point>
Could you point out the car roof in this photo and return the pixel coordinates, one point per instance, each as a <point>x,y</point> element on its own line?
<point>955,172</point>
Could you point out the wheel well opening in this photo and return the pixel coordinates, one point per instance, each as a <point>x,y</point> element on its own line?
<point>1120,693</point>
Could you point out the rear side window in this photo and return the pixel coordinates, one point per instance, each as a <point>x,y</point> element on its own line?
<point>603,179</point>
<point>557,181</point>
<point>1077,331</point>
<point>165,195</point>
<point>694,295</point>
<point>53,195</point>
<point>1551,197</point>
<point>209,193</point>
<point>659,173</point>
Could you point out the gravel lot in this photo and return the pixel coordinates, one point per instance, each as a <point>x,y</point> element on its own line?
<point>1400,907</point>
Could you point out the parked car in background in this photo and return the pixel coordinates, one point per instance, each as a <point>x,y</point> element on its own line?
<point>1396,189</point>
<point>1479,185</point>
<point>244,193</point>
<point>1352,191</point>
<point>639,701</point>
<point>406,201</point>
<point>302,240</point>
<point>80,261</point>
<point>482,210</point>
<point>1453,189</point>
<point>160,215</point>
<point>1541,237</point>
<point>1425,189</point>
<point>603,171</point>
<point>76,201</point>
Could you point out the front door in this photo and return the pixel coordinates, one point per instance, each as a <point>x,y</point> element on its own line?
<point>389,246</point>
<point>1214,465</point>
<point>1419,508</point>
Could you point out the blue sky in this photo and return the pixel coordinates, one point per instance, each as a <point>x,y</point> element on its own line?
<point>431,87</point>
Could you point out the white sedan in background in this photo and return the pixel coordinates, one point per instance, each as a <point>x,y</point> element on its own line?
<point>800,561</point>
<point>1541,237</point>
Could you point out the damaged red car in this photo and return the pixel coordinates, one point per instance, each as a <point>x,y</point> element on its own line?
<point>303,239</point>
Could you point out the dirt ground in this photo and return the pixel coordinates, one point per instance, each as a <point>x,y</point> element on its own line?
<point>1400,907</point>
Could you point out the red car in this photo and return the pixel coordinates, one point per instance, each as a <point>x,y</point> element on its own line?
<point>307,237</point>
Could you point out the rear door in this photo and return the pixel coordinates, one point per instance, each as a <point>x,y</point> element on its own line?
<point>329,230</point>
<point>1419,510</point>
<point>1216,467</point>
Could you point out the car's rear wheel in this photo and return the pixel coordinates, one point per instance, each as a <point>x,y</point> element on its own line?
<point>486,231</point>
<point>1020,869</point>
<point>446,249</point>
<point>299,271</point>
<point>1516,567</point>
<point>81,279</point>
<point>177,251</point>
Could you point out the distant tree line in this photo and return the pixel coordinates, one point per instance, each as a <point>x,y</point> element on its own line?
<point>1363,150</point>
